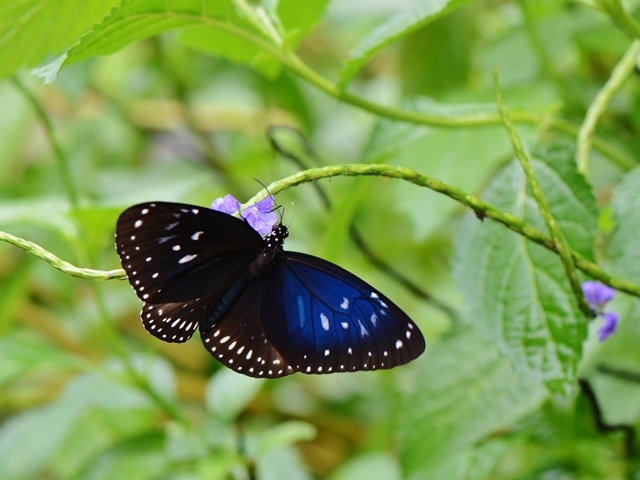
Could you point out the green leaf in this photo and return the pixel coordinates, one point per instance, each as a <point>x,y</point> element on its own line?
<point>298,18</point>
<point>20,355</point>
<point>232,47</point>
<point>140,457</point>
<point>281,464</point>
<point>135,20</point>
<point>29,440</point>
<point>30,30</point>
<point>466,393</point>
<point>442,154</point>
<point>228,393</point>
<point>518,290</point>
<point>623,252</point>
<point>418,14</point>
<point>283,435</point>
<point>366,467</point>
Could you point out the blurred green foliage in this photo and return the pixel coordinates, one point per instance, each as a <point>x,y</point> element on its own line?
<point>184,100</point>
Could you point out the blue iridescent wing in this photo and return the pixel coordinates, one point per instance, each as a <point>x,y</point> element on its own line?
<point>180,259</point>
<point>323,319</point>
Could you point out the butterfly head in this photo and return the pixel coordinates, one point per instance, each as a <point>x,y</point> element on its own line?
<point>275,239</point>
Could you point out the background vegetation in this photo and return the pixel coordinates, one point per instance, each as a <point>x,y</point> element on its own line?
<point>188,100</point>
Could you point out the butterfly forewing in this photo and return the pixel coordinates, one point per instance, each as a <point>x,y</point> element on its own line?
<point>180,259</point>
<point>175,252</point>
<point>238,340</point>
<point>324,319</point>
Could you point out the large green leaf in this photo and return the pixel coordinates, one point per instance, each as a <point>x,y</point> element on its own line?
<point>136,20</point>
<point>29,440</point>
<point>623,252</point>
<point>466,393</point>
<point>30,30</point>
<point>21,355</point>
<point>418,14</point>
<point>517,290</point>
<point>441,154</point>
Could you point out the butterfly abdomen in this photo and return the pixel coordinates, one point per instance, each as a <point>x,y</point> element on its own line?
<point>273,246</point>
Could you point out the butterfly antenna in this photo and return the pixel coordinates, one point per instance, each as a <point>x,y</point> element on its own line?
<point>293,205</point>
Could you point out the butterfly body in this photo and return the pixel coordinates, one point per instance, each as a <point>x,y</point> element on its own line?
<point>261,310</point>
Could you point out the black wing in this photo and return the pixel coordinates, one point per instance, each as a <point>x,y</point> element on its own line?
<point>180,259</point>
<point>238,341</point>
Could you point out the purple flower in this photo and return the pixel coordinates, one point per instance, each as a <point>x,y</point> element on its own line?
<point>609,327</point>
<point>227,204</point>
<point>261,216</point>
<point>597,294</point>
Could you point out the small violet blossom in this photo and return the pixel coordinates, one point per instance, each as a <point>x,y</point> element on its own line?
<point>261,216</point>
<point>597,295</point>
<point>609,327</point>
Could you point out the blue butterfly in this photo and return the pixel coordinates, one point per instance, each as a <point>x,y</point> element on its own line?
<point>261,311</point>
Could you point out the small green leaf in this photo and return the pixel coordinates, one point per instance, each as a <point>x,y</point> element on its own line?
<point>369,466</point>
<point>300,17</point>
<point>282,463</point>
<point>466,393</point>
<point>283,435</point>
<point>518,290</point>
<point>228,393</point>
<point>141,457</point>
<point>415,16</point>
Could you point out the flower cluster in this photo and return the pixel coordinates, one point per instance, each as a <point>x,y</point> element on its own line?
<point>597,295</point>
<point>261,216</point>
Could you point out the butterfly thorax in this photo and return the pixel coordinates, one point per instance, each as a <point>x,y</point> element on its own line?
<point>272,247</point>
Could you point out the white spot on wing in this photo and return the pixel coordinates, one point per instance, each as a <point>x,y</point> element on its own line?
<point>176,248</point>
<point>363,331</point>
<point>398,344</point>
<point>187,258</point>
<point>345,303</point>
<point>137,224</point>
<point>196,236</point>
<point>325,321</point>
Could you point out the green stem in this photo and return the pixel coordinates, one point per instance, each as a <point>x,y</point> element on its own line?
<point>294,64</point>
<point>554,230</point>
<point>363,169</point>
<point>615,10</point>
<point>618,76</point>
<point>107,328</point>
<point>483,208</point>
<point>65,267</point>
<point>61,158</point>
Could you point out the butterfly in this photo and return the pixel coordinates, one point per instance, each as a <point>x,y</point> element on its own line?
<point>261,311</point>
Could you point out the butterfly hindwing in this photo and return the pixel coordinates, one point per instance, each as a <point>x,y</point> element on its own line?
<point>323,319</point>
<point>180,259</point>
<point>238,341</point>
